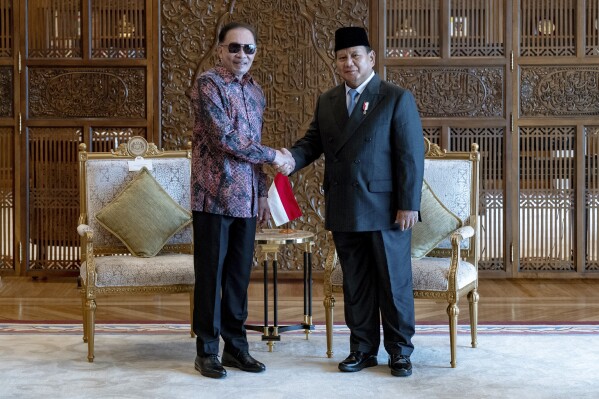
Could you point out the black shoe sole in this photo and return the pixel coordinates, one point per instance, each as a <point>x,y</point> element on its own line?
<point>401,373</point>
<point>351,369</point>
<point>208,373</point>
<point>240,367</point>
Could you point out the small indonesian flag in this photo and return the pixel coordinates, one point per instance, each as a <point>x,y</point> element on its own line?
<point>282,203</point>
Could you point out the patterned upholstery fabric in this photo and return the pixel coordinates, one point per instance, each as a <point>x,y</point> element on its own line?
<point>453,189</point>
<point>106,178</point>
<point>130,271</point>
<point>428,274</point>
<point>432,274</point>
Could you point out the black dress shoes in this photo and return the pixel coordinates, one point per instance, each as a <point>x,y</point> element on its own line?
<point>209,366</point>
<point>357,361</point>
<point>400,365</point>
<point>243,361</point>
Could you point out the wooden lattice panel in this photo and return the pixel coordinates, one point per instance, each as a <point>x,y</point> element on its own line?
<point>548,28</point>
<point>592,28</point>
<point>433,134</point>
<point>119,29</point>
<point>453,91</point>
<point>53,188</point>
<point>592,198</point>
<point>7,198</point>
<point>491,143</point>
<point>412,28</point>
<point>54,28</point>
<point>87,92</point>
<point>6,92</point>
<point>6,28</point>
<point>106,139</point>
<point>546,200</point>
<point>477,28</point>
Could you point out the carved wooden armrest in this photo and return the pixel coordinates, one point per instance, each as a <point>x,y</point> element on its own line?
<point>87,252</point>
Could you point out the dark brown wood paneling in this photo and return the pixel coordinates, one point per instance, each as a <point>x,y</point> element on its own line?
<point>7,199</point>
<point>53,191</point>
<point>548,28</point>
<point>6,92</point>
<point>54,28</point>
<point>6,28</point>
<point>118,29</point>
<point>451,92</point>
<point>476,28</point>
<point>591,221</point>
<point>413,28</point>
<point>87,93</point>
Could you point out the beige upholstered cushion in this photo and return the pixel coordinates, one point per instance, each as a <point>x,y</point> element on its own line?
<point>432,274</point>
<point>143,216</point>
<point>438,223</point>
<point>129,271</point>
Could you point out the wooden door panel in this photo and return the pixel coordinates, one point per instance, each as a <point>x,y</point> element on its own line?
<point>7,199</point>
<point>53,193</point>
<point>591,201</point>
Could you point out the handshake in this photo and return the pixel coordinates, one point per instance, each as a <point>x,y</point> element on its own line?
<point>284,161</point>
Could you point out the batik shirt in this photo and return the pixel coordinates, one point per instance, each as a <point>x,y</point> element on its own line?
<point>227,156</point>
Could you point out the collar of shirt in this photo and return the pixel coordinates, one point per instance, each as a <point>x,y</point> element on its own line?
<point>360,88</point>
<point>228,77</point>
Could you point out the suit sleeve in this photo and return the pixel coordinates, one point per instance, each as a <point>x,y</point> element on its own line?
<point>408,152</point>
<point>309,148</point>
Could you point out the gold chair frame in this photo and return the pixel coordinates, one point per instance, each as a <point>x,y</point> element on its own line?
<point>137,146</point>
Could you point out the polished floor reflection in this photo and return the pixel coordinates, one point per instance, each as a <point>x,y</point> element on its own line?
<point>501,301</point>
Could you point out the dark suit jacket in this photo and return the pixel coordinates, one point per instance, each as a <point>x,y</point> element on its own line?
<point>374,160</point>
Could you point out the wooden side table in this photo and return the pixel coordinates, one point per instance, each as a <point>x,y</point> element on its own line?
<point>269,241</point>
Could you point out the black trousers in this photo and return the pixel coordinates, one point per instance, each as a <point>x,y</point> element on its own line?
<point>223,252</point>
<point>377,280</point>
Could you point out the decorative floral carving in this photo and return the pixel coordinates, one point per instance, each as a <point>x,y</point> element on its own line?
<point>86,92</point>
<point>453,92</point>
<point>557,91</point>
<point>6,92</point>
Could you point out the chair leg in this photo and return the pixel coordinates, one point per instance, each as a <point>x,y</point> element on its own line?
<point>453,311</point>
<point>193,334</point>
<point>329,304</point>
<point>90,306</point>
<point>84,314</point>
<point>473,301</point>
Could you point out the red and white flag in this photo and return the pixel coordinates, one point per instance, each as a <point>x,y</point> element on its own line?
<point>282,202</point>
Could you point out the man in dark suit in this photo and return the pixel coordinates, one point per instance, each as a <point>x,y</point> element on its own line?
<point>374,164</point>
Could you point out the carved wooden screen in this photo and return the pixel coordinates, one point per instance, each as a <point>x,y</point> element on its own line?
<point>547,217</point>
<point>592,28</point>
<point>558,102</point>
<point>461,101</point>
<point>477,28</point>
<point>591,216</point>
<point>7,134</point>
<point>413,28</point>
<point>87,82</point>
<point>7,198</point>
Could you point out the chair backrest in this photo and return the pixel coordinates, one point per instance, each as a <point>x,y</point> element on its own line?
<point>103,175</point>
<point>454,178</point>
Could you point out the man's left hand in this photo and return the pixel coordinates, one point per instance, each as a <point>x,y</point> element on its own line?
<point>406,219</point>
<point>263,211</point>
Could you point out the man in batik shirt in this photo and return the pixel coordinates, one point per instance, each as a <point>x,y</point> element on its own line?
<point>229,195</point>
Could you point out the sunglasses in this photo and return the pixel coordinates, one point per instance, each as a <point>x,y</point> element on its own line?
<point>235,48</point>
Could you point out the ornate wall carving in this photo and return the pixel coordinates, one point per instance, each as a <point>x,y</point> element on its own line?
<point>453,92</point>
<point>559,91</point>
<point>294,65</point>
<point>85,92</point>
<point>6,92</point>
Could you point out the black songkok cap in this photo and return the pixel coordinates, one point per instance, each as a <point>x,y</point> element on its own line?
<point>350,36</point>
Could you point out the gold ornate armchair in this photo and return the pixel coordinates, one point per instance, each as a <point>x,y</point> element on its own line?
<point>135,230</point>
<point>445,249</point>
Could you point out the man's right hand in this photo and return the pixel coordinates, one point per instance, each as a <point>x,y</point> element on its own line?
<point>284,161</point>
